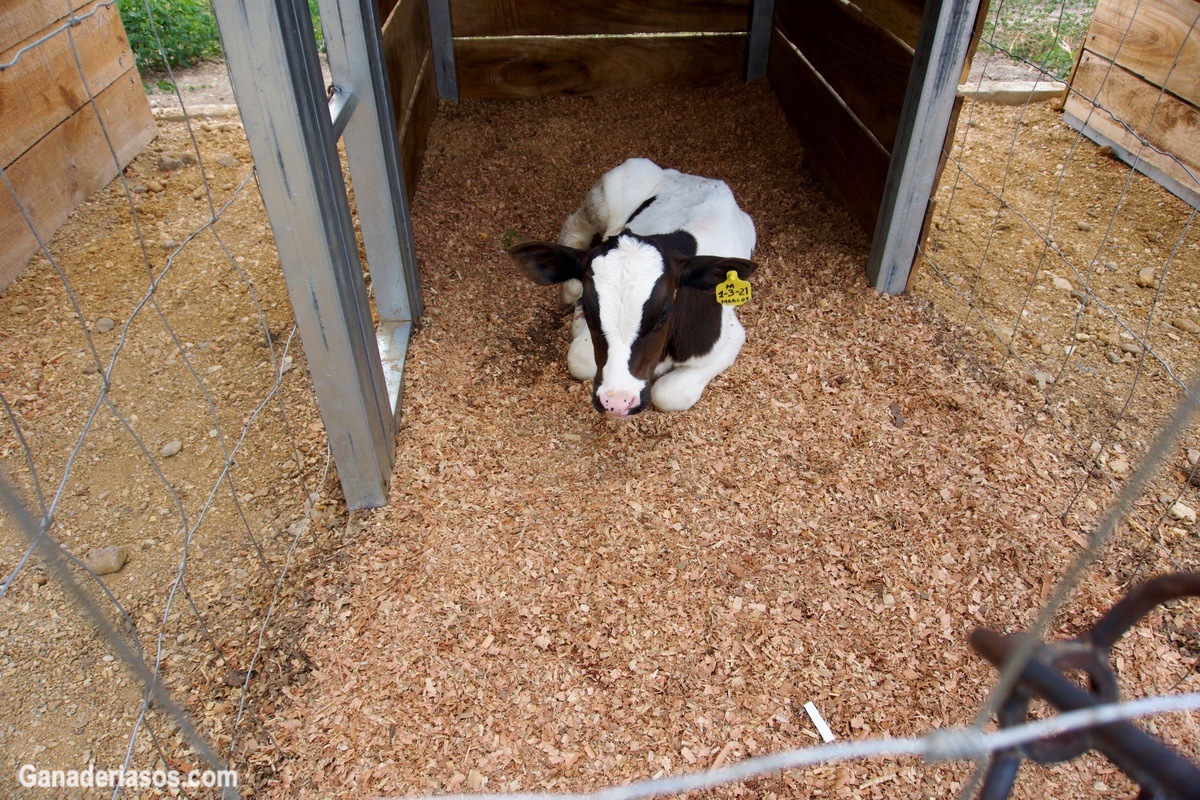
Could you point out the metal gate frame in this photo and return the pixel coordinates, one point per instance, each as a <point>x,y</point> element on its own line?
<point>293,125</point>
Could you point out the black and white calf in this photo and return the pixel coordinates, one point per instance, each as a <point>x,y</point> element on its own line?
<point>641,260</point>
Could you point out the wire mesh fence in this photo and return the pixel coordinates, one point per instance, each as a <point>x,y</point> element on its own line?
<point>1080,269</point>
<point>157,418</point>
<point>156,421</point>
<point>1063,232</point>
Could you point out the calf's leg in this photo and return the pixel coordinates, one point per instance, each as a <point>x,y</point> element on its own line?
<point>680,389</point>
<point>581,357</point>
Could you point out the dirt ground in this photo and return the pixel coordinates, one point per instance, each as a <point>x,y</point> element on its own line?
<point>206,83</point>
<point>195,372</point>
<point>1086,276</point>
<point>552,600</point>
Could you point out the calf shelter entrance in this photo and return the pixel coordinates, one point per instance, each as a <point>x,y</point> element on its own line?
<point>870,86</point>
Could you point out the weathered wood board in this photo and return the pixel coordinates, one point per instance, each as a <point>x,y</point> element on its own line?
<point>847,158</point>
<point>385,8</point>
<point>520,49</point>
<point>68,165</point>
<point>21,19</point>
<point>1136,88</point>
<point>584,17</point>
<point>415,125</point>
<point>52,147</point>
<point>864,64</point>
<point>841,72</point>
<point>44,87</point>
<point>530,67</point>
<point>1155,39</point>
<point>900,17</point>
<point>406,46</point>
<point>1125,109</point>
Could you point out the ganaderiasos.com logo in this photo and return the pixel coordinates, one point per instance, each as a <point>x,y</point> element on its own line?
<point>30,776</point>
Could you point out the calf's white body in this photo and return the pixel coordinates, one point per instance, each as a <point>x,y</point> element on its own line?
<point>637,237</point>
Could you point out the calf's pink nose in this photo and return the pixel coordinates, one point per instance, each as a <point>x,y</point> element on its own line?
<point>618,403</point>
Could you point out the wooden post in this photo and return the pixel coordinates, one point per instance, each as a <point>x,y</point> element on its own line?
<point>937,65</point>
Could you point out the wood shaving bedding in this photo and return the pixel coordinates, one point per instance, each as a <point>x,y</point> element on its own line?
<point>553,601</point>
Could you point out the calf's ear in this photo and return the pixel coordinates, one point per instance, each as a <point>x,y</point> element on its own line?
<point>705,272</point>
<point>546,263</point>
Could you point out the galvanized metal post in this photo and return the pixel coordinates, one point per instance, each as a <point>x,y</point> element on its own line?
<point>273,64</point>
<point>441,34</point>
<point>354,48</point>
<point>758,40</point>
<point>937,64</point>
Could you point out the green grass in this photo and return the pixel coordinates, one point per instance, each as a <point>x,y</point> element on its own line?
<point>186,28</point>
<point>1047,33</point>
<point>316,18</point>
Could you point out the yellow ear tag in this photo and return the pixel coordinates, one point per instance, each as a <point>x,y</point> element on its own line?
<point>734,291</point>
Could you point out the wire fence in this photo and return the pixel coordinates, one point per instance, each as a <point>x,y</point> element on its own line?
<point>1081,270</point>
<point>157,418</point>
<point>175,460</point>
<point>1063,232</point>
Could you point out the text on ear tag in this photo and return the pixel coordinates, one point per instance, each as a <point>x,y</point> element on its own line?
<point>734,291</point>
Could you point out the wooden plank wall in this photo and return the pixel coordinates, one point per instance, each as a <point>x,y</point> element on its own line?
<point>1140,70</point>
<point>21,19</point>
<point>840,71</point>
<point>512,49</point>
<point>409,55</point>
<point>52,147</point>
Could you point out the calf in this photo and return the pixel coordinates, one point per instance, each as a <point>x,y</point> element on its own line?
<point>641,260</point>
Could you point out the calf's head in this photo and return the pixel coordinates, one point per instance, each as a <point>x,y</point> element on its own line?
<point>634,308</point>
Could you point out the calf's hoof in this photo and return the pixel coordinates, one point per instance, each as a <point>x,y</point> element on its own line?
<point>676,391</point>
<point>581,359</point>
